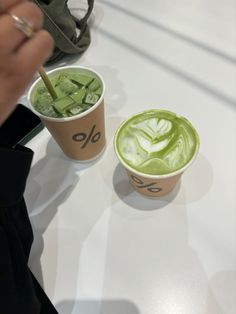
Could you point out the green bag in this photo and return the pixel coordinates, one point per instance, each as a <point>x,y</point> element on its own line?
<point>62,25</point>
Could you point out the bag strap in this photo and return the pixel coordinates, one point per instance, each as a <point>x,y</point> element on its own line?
<point>68,46</point>
<point>81,23</point>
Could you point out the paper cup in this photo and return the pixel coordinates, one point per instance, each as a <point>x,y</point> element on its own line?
<point>81,137</point>
<point>153,184</point>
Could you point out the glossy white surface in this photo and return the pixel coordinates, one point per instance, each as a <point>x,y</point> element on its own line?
<point>99,246</point>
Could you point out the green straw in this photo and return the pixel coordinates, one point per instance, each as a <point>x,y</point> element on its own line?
<point>47,83</point>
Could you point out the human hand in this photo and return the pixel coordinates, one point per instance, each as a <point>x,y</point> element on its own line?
<point>20,56</point>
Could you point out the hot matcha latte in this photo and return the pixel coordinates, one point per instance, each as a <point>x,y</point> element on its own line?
<point>156,142</point>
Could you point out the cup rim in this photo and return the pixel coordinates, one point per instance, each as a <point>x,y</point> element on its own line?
<point>156,176</point>
<point>65,119</point>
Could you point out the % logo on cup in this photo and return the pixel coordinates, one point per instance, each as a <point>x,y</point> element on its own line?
<point>151,187</point>
<point>86,138</point>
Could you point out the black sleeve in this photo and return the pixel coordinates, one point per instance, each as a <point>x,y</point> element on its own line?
<point>19,290</point>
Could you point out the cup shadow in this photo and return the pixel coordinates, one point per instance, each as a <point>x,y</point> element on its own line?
<point>47,181</point>
<point>93,306</point>
<point>196,181</point>
<point>50,183</point>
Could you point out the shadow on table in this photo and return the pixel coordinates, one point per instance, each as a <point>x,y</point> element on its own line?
<point>168,67</point>
<point>223,287</point>
<point>50,183</point>
<point>155,249</point>
<point>113,306</point>
<point>165,28</point>
<point>51,178</point>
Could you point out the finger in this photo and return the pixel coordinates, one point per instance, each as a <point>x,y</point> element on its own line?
<point>27,11</point>
<point>5,5</point>
<point>34,52</point>
<point>22,66</point>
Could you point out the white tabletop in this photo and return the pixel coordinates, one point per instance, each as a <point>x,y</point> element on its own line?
<point>99,246</point>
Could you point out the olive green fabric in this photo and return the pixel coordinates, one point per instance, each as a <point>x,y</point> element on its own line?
<point>62,25</point>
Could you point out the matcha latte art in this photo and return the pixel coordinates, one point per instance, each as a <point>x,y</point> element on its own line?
<point>156,142</point>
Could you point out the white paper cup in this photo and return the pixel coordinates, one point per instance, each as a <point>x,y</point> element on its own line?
<point>81,137</point>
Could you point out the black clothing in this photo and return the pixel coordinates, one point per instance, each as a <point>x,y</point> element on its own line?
<point>20,293</point>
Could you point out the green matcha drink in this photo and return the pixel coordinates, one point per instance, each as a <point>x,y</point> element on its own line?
<point>75,118</point>
<point>155,144</point>
<point>76,93</point>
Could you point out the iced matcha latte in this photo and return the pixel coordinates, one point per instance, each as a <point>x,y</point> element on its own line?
<point>74,114</point>
<point>155,144</point>
<point>76,92</point>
